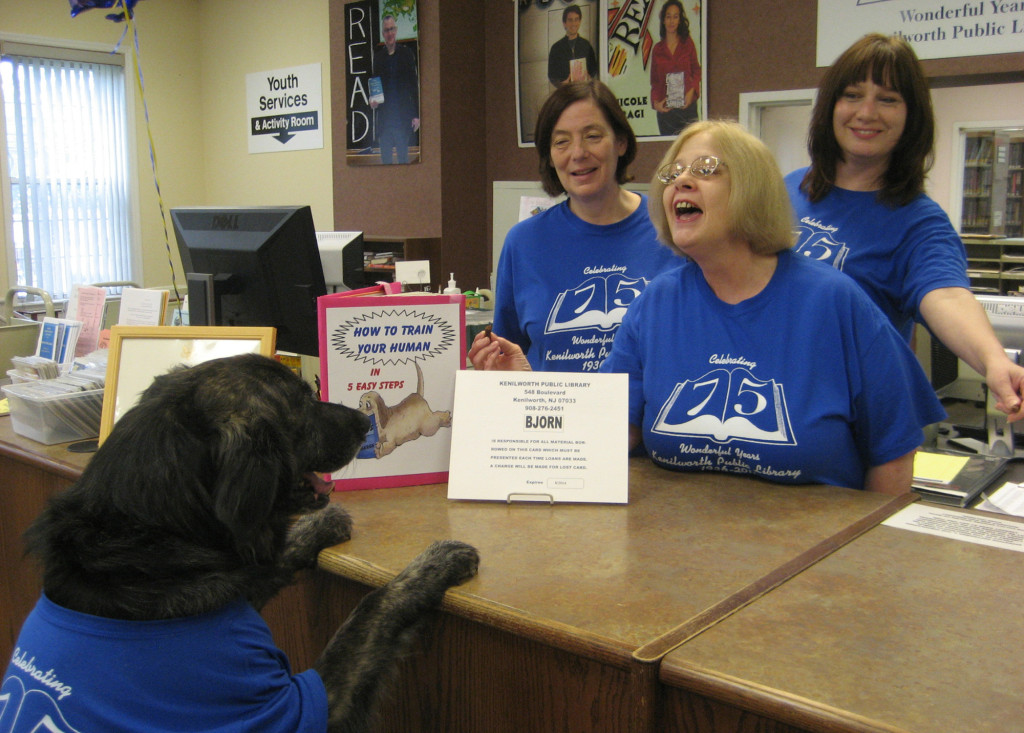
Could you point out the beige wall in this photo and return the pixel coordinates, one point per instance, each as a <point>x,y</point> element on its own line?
<point>195,55</point>
<point>241,38</point>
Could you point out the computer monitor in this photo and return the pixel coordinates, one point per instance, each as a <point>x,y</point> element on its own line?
<point>1006,314</point>
<point>261,265</point>
<point>341,254</point>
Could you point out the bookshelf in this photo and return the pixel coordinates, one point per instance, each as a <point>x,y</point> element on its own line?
<point>1015,186</point>
<point>380,252</point>
<point>995,264</point>
<point>993,182</point>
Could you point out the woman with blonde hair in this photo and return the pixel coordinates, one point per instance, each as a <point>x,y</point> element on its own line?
<point>751,359</point>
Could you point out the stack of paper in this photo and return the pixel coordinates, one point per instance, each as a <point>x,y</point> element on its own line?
<point>952,478</point>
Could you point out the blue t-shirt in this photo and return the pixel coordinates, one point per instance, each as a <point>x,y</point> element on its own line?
<point>806,382</point>
<point>564,284</point>
<point>218,671</point>
<point>897,254</point>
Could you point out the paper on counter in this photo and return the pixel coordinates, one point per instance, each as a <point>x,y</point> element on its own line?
<point>937,467</point>
<point>965,526</point>
<point>1007,499</point>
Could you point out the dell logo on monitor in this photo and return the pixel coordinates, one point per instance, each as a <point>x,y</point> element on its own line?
<point>225,221</point>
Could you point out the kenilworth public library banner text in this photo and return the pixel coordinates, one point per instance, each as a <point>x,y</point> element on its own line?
<point>934,28</point>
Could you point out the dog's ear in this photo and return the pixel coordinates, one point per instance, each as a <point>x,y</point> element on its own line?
<point>250,463</point>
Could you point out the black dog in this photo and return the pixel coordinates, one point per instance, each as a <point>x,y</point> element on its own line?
<point>181,525</point>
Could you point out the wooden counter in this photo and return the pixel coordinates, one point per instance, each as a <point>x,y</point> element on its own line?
<point>897,630</point>
<point>574,605</point>
<point>708,602</point>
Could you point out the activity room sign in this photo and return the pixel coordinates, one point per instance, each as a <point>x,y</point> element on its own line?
<point>285,109</point>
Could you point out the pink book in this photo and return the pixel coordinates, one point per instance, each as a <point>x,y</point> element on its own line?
<point>394,357</point>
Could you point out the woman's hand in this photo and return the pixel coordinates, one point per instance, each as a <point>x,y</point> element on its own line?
<point>493,353</point>
<point>1005,381</point>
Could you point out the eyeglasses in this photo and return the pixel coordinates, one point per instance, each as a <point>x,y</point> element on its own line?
<point>703,167</point>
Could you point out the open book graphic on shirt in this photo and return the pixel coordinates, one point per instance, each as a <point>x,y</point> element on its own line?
<point>726,405</point>
<point>29,709</point>
<point>599,302</point>
<point>819,245</point>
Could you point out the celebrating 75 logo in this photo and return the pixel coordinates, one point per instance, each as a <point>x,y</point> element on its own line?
<point>819,245</point>
<point>599,302</point>
<point>727,405</point>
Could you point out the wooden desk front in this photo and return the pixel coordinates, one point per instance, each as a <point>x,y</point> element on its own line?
<point>30,473</point>
<point>897,630</point>
<point>565,624</point>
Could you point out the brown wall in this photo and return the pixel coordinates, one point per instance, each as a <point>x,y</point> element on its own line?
<point>469,113</point>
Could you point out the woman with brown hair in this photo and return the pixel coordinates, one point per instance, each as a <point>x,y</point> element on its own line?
<point>861,206</point>
<point>567,275</point>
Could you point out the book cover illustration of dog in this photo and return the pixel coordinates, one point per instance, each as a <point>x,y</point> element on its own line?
<point>391,426</point>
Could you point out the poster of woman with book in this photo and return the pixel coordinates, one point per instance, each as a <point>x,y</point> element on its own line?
<point>675,71</point>
<point>656,61</point>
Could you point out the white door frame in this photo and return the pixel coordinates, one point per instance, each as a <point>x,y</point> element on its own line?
<point>753,103</point>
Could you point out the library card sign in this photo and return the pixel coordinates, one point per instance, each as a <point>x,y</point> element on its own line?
<point>394,358</point>
<point>285,109</point>
<point>540,436</point>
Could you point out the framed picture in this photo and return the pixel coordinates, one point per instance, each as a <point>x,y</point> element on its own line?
<point>652,54</point>
<point>655,61</point>
<point>382,86</point>
<point>139,354</point>
<point>555,42</point>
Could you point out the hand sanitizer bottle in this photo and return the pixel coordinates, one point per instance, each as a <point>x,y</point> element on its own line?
<point>452,288</point>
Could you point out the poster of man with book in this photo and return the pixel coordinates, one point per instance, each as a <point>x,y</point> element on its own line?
<point>650,53</point>
<point>382,82</point>
<point>556,42</point>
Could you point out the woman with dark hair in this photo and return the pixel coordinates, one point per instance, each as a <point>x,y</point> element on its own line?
<point>861,206</point>
<point>732,357</point>
<point>567,275</point>
<point>675,71</point>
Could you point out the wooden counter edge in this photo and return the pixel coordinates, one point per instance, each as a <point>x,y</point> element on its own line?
<point>471,607</point>
<point>35,457</point>
<point>769,702</point>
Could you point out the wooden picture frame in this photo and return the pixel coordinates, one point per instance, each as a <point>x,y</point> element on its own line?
<point>138,354</point>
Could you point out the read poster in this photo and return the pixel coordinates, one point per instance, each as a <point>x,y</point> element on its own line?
<point>394,358</point>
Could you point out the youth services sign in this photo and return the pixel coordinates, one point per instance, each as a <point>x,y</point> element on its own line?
<point>935,28</point>
<point>285,109</point>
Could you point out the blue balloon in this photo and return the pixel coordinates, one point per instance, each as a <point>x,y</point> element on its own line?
<point>78,6</point>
